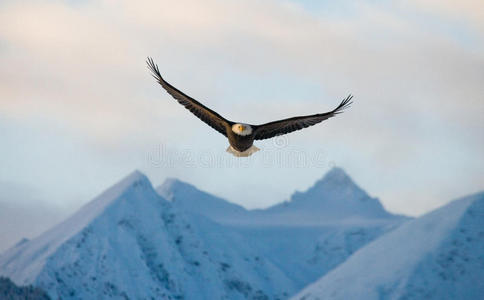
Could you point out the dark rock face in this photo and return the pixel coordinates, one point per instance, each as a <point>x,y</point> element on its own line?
<point>10,291</point>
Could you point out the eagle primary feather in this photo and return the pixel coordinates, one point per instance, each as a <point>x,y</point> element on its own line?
<point>204,113</point>
<point>269,130</point>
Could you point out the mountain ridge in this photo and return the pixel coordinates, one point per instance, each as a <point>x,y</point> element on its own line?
<point>437,256</point>
<point>131,242</point>
<point>335,194</point>
<point>313,242</point>
<point>333,198</point>
<point>193,230</point>
<point>187,197</point>
<point>49,241</point>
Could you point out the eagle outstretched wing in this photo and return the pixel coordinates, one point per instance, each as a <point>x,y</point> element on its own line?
<point>204,113</point>
<point>280,127</point>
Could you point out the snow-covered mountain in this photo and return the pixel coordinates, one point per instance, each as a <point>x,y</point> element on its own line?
<point>180,242</point>
<point>131,243</point>
<point>335,197</point>
<point>305,237</point>
<point>188,198</point>
<point>437,256</point>
<point>305,253</point>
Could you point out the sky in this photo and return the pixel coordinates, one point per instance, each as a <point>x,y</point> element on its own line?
<point>79,109</point>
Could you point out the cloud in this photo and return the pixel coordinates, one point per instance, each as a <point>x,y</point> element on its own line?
<point>23,214</point>
<point>418,86</point>
<point>470,12</point>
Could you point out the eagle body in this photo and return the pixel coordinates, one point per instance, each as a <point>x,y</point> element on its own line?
<point>240,139</point>
<point>241,136</point>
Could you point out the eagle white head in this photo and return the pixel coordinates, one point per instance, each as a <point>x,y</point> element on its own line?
<point>242,129</point>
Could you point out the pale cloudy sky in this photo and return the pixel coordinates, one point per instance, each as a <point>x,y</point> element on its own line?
<point>79,110</point>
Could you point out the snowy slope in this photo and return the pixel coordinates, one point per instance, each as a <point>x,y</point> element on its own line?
<point>306,237</point>
<point>30,256</point>
<point>188,198</point>
<point>198,245</point>
<point>335,197</point>
<point>437,256</point>
<point>305,253</point>
<point>131,243</point>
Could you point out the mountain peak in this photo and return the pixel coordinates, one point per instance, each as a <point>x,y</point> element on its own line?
<point>172,181</point>
<point>337,174</point>
<point>335,196</point>
<point>189,198</point>
<point>132,188</point>
<point>437,256</point>
<point>133,178</point>
<point>338,183</point>
<point>171,186</point>
<point>336,178</point>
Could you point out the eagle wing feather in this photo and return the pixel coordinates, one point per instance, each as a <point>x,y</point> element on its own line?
<point>272,129</point>
<point>204,113</point>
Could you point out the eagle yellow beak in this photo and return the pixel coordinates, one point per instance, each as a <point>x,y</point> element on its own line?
<point>242,128</point>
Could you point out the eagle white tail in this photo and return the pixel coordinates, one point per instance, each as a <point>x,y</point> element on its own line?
<point>253,149</point>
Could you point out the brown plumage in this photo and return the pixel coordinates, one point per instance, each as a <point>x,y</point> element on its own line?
<point>240,135</point>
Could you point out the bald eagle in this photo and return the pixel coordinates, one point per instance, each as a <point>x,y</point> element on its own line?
<point>241,136</point>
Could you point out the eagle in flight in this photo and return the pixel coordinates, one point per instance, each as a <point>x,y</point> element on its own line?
<point>241,135</point>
